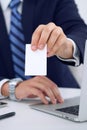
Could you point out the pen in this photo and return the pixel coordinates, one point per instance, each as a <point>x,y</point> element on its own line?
<point>7,115</point>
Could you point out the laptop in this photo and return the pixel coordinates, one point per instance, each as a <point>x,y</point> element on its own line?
<point>74,109</point>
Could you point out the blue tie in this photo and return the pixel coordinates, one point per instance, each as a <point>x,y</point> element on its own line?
<point>17,40</point>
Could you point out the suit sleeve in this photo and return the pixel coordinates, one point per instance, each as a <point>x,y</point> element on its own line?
<point>68,18</point>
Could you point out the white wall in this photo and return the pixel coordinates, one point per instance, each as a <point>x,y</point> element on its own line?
<point>82,6</point>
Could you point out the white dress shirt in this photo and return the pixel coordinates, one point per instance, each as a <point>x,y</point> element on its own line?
<point>7,12</point>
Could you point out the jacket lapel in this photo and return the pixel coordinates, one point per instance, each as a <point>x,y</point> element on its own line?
<point>5,45</point>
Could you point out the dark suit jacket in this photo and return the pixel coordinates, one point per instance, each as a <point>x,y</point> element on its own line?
<point>35,12</point>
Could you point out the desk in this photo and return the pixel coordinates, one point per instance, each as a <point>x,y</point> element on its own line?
<point>29,119</point>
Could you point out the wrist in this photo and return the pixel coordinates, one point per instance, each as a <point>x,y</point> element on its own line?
<point>4,89</point>
<point>66,50</point>
<point>70,49</point>
<point>12,88</point>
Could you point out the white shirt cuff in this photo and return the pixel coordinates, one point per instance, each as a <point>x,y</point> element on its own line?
<point>1,84</point>
<point>76,57</point>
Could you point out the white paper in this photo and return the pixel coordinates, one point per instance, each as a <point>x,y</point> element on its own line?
<point>35,61</point>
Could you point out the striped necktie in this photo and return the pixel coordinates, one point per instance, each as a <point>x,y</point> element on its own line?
<point>17,40</point>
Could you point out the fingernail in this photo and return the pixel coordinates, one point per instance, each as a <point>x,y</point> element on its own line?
<point>33,47</point>
<point>54,101</point>
<point>61,100</point>
<point>41,46</point>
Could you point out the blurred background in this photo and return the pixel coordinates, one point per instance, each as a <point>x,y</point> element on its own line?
<point>77,71</point>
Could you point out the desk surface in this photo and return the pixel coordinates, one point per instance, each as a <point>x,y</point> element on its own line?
<point>29,119</point>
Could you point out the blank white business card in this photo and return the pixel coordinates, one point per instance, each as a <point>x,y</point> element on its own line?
<point>35,61</point>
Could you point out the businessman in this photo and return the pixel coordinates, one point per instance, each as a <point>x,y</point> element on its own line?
<point>39,22</point>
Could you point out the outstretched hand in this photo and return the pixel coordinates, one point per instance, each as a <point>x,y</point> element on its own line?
<point>57,42</point>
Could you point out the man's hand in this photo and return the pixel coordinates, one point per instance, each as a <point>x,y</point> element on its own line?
<point>39,86</point>
<point>56,40</point>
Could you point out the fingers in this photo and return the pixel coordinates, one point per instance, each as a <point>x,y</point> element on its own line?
<point>41,36</point>
<point>36,36</point>
<point>45,35</point>
<point>56,40</point>
<point>48,88</point>
<point>54,43</point>
<point>57,48</point>
<point>41,87</point>
<point>39,93</point>
<point>53,38</point>
<point>55,90</point>
<point>44,86</point>
<point>51,35</point>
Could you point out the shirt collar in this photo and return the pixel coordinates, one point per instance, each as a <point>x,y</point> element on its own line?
<point>5,3</point>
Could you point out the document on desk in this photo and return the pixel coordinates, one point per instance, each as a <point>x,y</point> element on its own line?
<point>35,61</point>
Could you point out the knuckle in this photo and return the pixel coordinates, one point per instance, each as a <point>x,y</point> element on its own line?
<point>53,86</point>
<point>51,24</point>
<point>38,29</point>
<point>36,32</point>
<point>60,29</point>
<point>37,78</point>
<point>48,29</point>
<point>55,32</point>
<point>40,26</point>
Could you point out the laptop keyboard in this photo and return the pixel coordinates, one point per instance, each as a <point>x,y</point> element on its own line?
<point>71,110</point>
